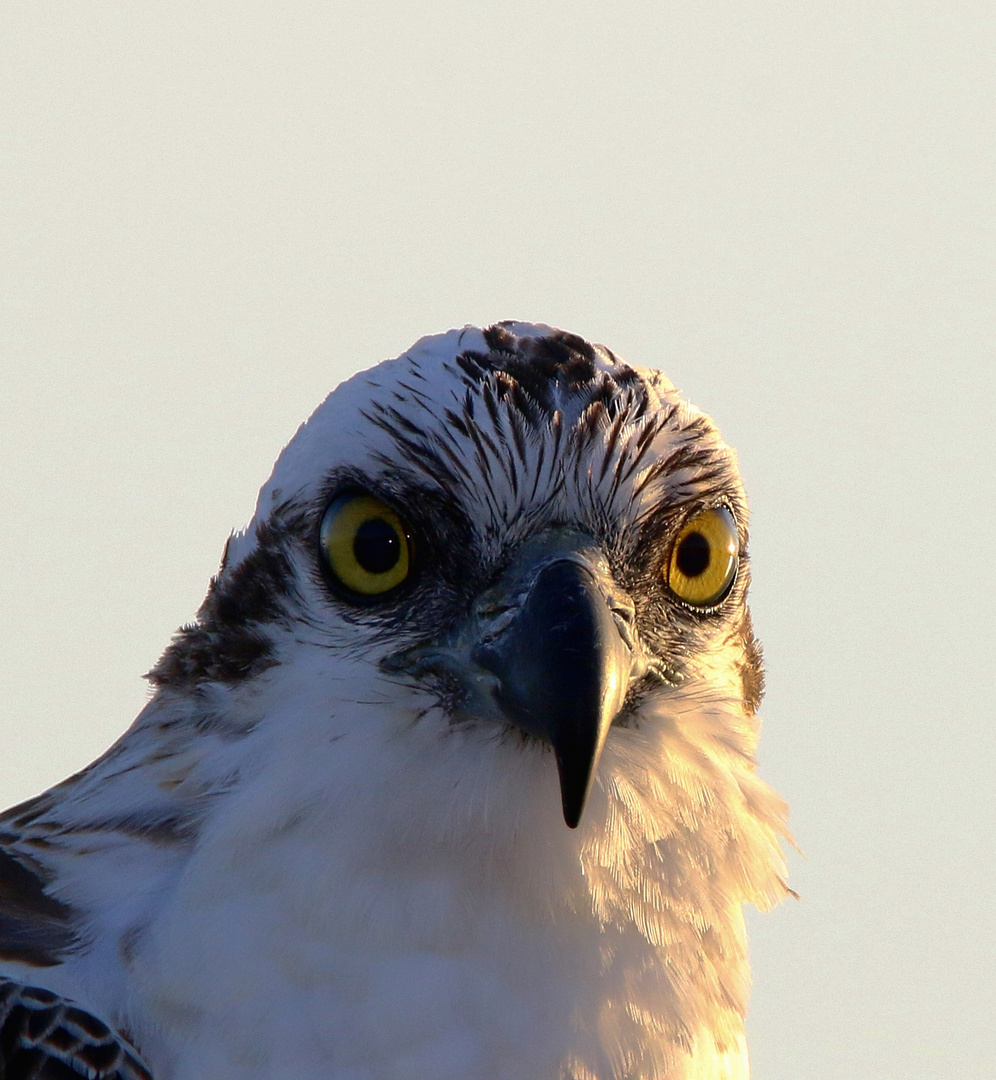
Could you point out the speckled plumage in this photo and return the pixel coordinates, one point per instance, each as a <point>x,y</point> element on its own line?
<point>306,858</point>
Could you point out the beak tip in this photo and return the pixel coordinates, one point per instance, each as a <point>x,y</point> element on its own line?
<point>574,786</point>
<point>572,818</point>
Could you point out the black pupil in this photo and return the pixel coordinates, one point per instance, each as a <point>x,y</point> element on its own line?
<point>377,546</point>
<point>693,555</point>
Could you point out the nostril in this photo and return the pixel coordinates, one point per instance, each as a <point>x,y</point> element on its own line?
<point>622,607</point>
<point>624,616</point>
<point>489,609</point>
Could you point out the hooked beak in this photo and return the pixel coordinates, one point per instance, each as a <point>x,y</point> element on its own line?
<point>550,648</point>
<point>563,671</point>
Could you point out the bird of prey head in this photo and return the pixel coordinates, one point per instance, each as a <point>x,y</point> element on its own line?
<point>454,773</point>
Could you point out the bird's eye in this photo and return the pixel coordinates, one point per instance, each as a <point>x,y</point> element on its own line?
<point>703,561</point>
<point>365,549</point>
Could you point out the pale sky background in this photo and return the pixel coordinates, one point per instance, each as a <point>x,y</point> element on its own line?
<point>212,212</point>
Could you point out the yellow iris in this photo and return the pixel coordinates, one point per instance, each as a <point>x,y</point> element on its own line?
<point>704,558</point>
<point>366,547</point>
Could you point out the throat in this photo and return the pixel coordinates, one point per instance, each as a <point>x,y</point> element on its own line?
<point>538,955</point>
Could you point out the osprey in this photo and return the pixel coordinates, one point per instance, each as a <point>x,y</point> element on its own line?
<point>452,778</point>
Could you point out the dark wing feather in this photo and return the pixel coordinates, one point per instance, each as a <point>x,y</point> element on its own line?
<point>46,1037</point>
<point>35,928</point>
